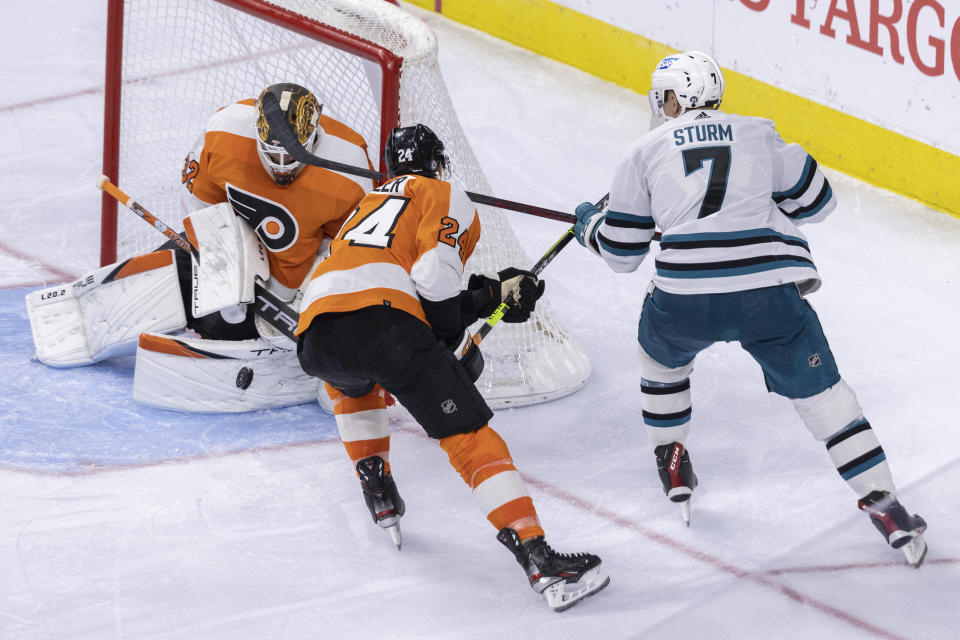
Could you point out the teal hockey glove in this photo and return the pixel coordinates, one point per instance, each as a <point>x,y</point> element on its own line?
<point>588,221</point>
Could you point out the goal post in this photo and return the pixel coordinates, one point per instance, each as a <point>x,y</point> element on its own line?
<point>172,63</point>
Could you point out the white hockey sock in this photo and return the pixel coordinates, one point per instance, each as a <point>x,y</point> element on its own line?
<point>860,459</point>
<point>666,410</point>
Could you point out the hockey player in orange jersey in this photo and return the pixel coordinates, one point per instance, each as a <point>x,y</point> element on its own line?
<point>386,312</point>
<point>254,209</point>
<point>291,206</point>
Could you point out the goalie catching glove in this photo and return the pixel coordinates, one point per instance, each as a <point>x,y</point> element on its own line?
<point>486,294</point>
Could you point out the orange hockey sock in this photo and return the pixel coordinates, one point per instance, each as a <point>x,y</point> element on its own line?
<point>362,423</point>
<point>483,461</point>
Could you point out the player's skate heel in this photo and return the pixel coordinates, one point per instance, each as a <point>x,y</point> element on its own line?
<point>564,579</point>
<point>677,476</point>
<point>380,493</point>
<point>899,528</point>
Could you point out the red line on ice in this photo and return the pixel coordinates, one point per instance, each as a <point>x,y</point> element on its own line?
<point>761,579</point>
<point>60,273</point>
<point>850,567</point>
<point>713,561</point>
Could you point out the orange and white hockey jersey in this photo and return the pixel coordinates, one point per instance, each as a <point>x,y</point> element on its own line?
<point>291,221</point>
<point>410,237</point>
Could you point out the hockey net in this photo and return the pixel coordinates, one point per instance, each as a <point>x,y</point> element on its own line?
<point>173,63</point>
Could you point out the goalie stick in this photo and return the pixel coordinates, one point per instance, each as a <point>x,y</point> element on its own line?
<point>287,139</point>
<point>268,306</point>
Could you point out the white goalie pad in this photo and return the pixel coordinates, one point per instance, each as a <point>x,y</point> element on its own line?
<point>103,313</point>
<point>214,376</point>
<point>231,258</point>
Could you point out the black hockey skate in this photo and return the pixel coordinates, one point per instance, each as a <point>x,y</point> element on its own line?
<point>564,579</point>
<point>899,528</point>
<point>677,476</point>
<point>380,493</point>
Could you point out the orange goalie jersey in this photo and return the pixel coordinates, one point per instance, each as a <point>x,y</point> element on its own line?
<point>410,237</point>
<point>293,220</point>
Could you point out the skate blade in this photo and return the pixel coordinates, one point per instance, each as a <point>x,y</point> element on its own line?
<point>562,595</point>
<point>685,512</point>
<point>915,551</point>
<point>395,535</point>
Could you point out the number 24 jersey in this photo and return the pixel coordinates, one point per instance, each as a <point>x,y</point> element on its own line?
<point>407,239</point>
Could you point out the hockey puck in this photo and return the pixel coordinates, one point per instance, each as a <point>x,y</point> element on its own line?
<point>244,377</point>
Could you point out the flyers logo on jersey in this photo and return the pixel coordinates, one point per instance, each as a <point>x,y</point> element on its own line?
<point>273,222</point>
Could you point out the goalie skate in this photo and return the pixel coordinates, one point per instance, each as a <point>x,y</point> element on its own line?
<point>900,529</point>
<point>382,498</point>
<point>677,476</point>
<point>563,579</point>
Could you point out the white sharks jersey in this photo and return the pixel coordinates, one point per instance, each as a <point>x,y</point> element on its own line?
<point>727,194</point>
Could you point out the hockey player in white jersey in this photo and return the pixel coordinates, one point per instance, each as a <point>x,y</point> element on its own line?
<point>728,195</point>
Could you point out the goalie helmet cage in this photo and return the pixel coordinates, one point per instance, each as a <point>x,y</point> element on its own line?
<point>173,63</point>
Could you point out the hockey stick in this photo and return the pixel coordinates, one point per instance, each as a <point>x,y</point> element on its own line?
<point>537,269</point>
<point>548,257</point>
<point>268,306</point>
<point>280,128</point>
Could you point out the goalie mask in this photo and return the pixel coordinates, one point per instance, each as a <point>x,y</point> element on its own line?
<point>302,112</point>
<point>415,150</point>
<point>694,77</point>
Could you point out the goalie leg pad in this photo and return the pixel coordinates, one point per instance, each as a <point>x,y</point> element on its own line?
<point>102,314</point>
<point>205,376</point>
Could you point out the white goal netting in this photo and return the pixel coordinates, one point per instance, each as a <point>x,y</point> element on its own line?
<point>184,59</point>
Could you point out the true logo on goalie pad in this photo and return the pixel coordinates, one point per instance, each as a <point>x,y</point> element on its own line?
<point>83,283</point>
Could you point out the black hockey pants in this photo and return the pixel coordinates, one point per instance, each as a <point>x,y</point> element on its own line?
<point>353,351</point>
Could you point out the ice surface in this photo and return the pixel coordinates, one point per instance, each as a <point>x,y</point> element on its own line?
<point>125,522</point>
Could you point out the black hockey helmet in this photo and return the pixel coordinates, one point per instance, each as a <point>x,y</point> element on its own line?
<point>301,110</point>
<point>416,150</point>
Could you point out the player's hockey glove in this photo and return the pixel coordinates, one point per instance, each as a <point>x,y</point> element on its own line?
<point>469,355</point>
<point>588,221</point>
<point>487,293</point>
